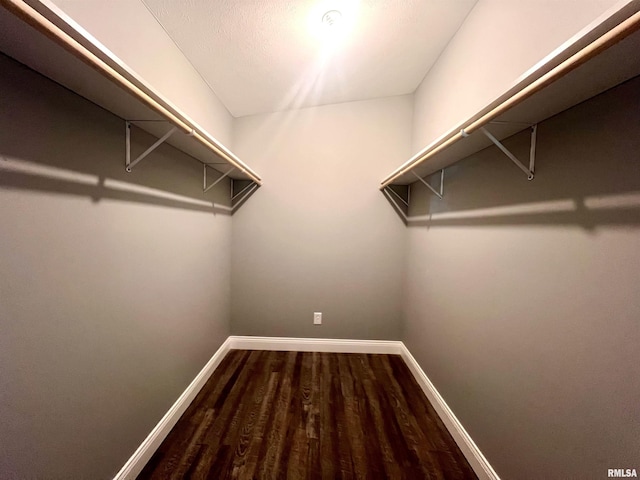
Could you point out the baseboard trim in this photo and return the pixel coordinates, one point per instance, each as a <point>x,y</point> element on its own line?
<point>472,453</point>
<point>147,448</point>
<point>316,345</point>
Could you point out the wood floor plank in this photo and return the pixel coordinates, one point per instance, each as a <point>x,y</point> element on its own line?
<point>416,440</point>
<point>253,419</point>
<point>328,445</point>
<point>172,449</point>
<point>295,415</point>
<point>244,412</point>
<point>375,464</point>
<point>269,462</point>
<point>391,465</point>
<point>344,458</point>
<point>302,424</point>
<point>224,405</point>
<point>352,416</point>
<point>253,450</point>
<point>440,439</point>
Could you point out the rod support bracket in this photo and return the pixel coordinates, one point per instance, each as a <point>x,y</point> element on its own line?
<point>248,188</point>
<point>529,171</point>
<point>438,194</point>
<point>399,197</point>
<point>129,164</point>
<point>205,187</point>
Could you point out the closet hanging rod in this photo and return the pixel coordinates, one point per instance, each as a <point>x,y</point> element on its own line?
<point>602,42</point>
<point>45,26</point>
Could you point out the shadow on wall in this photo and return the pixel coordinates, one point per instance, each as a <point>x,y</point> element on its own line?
<point>53,140</point>
<point>398,201</point>
<point>587,173</point>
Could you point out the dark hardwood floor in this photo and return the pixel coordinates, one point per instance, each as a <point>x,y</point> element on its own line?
<point>309,415</point>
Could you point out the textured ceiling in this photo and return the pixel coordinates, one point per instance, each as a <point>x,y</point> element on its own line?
<point>270,55</point>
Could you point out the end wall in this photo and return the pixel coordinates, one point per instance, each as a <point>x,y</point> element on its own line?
<point>319,236</point>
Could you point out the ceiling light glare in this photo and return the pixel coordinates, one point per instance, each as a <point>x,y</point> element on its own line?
<point>332,22</point>
<point>332,19</point>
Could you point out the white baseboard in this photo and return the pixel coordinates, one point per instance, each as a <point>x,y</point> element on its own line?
<point>147,448</point>
<point>316,345</point>
<point>472,453</point>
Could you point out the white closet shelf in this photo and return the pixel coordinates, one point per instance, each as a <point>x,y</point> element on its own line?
<point>601,56</point>
<point>40,36</point>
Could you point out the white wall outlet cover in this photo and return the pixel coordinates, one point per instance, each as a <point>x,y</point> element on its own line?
<point>317,318</point>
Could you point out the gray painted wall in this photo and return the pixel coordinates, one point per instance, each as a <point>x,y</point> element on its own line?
<point>523,298</point>
<point>114,287</point>
<point>319,236</point>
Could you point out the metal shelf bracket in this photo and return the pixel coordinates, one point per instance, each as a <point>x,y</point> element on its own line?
<point>233,196</point>
<point>206,188</point>
<point>129,164</point>
<point>438,194</point>
<point>532,152</point>
<point>251,185</point>
<point>399,197</point>
<point>400,201</point>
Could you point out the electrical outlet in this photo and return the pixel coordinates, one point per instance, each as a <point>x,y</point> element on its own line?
<point>317,318</point>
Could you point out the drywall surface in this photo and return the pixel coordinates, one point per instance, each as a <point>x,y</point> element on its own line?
<point>497,43</point>
<point>130,31</point>
<point>523,298</point>
<point>114,287</point>
<point>318,235</point>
